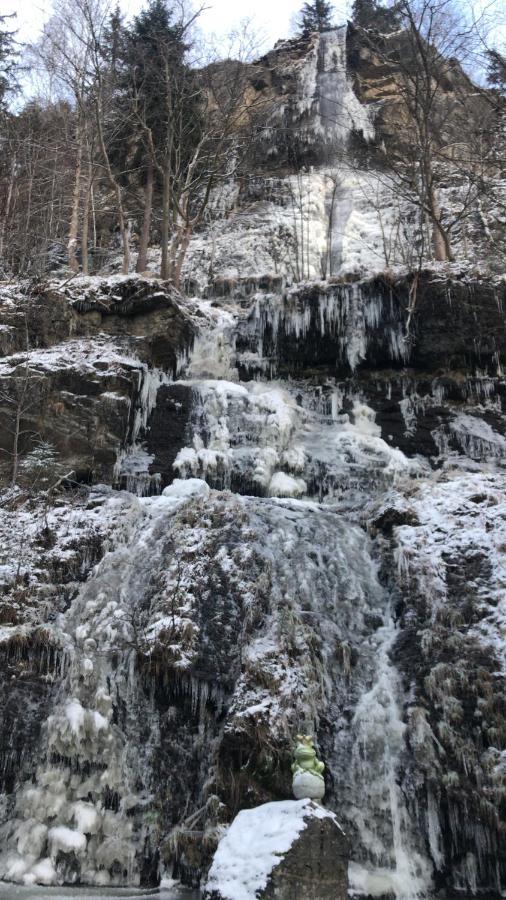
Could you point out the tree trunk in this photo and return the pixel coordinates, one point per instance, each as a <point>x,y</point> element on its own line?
<point>164,265</point>
<point>7,210</point>
<point>15,448</point>
<point>86,221</point>
<point>27,220</point>
<point>438,244</point>
<point>180,258</point>
<point>122,221</point>
<point>142,259</point>
<point>20,410</point>
<point>440,238</point>
<point>76,201</point>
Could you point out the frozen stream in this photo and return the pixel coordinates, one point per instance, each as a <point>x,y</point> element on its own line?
<point>8,891</point>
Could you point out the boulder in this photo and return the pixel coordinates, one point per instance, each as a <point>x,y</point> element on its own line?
<point>289,850</point>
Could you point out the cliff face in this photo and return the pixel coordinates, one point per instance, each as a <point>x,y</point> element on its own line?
<point>277,506</point>
<point>324,191</point>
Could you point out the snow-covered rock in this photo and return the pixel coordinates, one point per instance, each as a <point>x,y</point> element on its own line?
<point>290,850</point>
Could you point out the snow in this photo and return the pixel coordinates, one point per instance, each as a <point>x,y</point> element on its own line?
<point>42,873</point>
<point>86,356</point>
<point>255,844</point>
<point>458,515</point>
<point>85,817</point>
<point>66,840</point>
<point>184,489</point>
<point>282,485</point>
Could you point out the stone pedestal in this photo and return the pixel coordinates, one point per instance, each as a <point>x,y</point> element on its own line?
<point>313,867</point>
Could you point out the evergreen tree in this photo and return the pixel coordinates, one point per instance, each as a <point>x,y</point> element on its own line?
<point>496,70</point>
<point>159,110</point>
<point>315,16</point>
<point>114,36</point>
<point>153,55</point>
<point>7,61</point>
<point>371,14</point>
<point>42,468</point>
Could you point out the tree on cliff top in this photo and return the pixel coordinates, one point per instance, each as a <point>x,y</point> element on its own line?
<point>496,70</point>
<point>159,118</point>
<point>372,14</point>
<point>444,126</point>
<point>315,16</point>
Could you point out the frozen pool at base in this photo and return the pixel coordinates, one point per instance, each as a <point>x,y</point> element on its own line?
<point>37,892</point>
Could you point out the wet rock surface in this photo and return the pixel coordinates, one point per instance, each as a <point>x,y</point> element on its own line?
<point>315,866</point>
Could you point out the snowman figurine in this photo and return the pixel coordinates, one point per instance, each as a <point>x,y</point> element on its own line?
<point>307,771</point>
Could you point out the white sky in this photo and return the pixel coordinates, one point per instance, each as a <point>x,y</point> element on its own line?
<point>271,18</point>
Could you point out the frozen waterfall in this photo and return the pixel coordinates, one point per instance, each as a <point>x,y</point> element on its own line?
<point>300,461</point>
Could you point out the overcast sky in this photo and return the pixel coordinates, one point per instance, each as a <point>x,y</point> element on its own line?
<point>271,18</point>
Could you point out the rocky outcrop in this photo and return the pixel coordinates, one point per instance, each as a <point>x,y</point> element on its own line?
<point>48,551</point>
<point>84,393</point>
<point>451,321</point>
<point>294,850</point>
<point>79,397</point>
<point>146,313</point>
<point>150,313</point>
<point>168,428</point>
<point>448,590</point>
<point>315,866</point>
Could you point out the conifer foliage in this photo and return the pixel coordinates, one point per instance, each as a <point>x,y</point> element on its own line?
<point>7,60</point>
<point>371,14</point>
<point>496,71</point>
<point>315,16</point>
<point>160,104</point>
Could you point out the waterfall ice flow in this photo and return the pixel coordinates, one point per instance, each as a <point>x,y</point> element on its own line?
<point>339,109</point>
<point>274,435</point>
<point>287,433</point>
<point>401,866</point>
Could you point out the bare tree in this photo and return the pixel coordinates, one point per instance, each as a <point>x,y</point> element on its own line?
<point>19,400</point>
<point>72,50</point>
<point>196,141</point>
<point>37,173</point>
<point>65,50</point>
<point>442,123</point>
